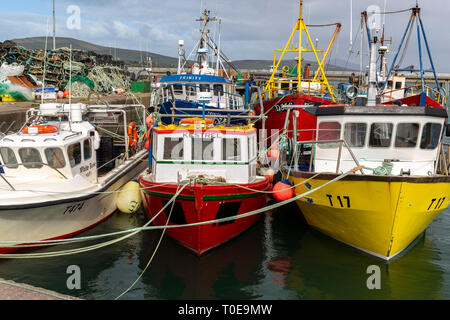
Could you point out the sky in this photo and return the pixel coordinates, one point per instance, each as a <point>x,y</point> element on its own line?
<point>251,29</point>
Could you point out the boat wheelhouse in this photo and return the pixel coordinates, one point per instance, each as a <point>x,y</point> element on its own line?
<point>218,163</point>
<point>200,89</point>
<point>59,176</point>
<point>400,188</point>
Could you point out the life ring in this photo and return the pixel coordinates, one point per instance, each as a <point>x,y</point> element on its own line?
<point>147,140</point>
<point>194,120</point>
<point>40,129</point>
<point>132,135</point>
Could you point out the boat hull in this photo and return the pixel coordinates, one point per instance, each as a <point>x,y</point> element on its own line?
<point>379,215</point>
<point>276,115</point>
<point>63,218</point>
<point>200,203</point>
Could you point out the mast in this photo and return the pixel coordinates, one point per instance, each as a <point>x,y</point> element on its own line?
<point>372,90</point>
<point>299,62</point>
<point>54,27</point>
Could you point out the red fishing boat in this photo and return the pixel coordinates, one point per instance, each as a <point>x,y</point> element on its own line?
<point>296,84</point>
<point>218,166</point>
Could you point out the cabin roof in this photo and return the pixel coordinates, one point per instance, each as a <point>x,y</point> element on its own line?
<point>172,128</point>
<point>377,111</point>
<point>194,78</point>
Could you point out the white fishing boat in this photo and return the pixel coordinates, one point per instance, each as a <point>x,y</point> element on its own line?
<point>59,177</point>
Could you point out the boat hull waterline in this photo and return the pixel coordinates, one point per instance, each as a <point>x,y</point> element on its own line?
<point>379,215</point>
<point>200,203</point>
<point>64,218</point>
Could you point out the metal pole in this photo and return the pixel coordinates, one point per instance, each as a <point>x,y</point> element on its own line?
<point>54,27</point>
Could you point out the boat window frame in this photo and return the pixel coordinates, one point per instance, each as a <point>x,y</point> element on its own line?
<point>166,156</point>
<point>177,91</point>
<point>219,92</point>
<point>390,139</point>
<point>210,143</point>
<point>438,137</point>
<point>6,164</point>
<point>32,164</point>
<point>84,149</point>
<point>63,158</point>
<point>417,136</point>
<point>238,155</point>
<point>331,145</point>
<point>75,163</point>
<point>365,143</point>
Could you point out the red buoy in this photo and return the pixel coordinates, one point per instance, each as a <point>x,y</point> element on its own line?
<point>147,144</point>
<point>283,191</point>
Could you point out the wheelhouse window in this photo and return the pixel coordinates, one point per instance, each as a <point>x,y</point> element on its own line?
<point>87,149</point>
<point>231,149</point>
<point>355,134</point>
<point>55,158</point>
<point>218,90</point>
<point>202,149</point>
<point>173,149</point>
<point>74,152</point>
<point>430,136</point>
<point>329,131</point>
<point>204,87</point>
<point>407,135</point>
<point>9,158</point>
<point>31,158</point>
<point>178,89</point>
<point>380,135</point>
<point>191,91</point>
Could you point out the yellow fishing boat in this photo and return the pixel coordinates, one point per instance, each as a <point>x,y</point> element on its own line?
<point>402,184</point>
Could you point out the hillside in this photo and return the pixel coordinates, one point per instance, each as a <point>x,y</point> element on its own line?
<point>135,56</point>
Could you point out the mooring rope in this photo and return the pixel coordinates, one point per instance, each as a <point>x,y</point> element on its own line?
<point>153,255</point>
<point>93,247</point>
<point>146,227</point>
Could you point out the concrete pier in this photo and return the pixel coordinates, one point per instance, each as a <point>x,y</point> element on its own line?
<point>10,290</point>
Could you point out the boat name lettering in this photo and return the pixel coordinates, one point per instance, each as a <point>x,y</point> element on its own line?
<point>203,135</point>
<point>437,203</point>
<point>87,167</point>
<point>73,208</point>
<point>340,201</point>
<point>279,107</point>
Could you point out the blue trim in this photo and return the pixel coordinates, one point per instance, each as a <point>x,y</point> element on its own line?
<point>423,99</point>
<point>429,52</point>
<point>194,78</point>
<point>420,58</point>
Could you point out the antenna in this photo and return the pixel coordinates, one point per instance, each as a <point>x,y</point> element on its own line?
<point>351,25</point>
<point>45,64</point>
<point>70,75</point>
<point>54,27</point>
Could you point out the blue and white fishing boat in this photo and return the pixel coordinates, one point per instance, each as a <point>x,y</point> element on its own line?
<point>202,90</point>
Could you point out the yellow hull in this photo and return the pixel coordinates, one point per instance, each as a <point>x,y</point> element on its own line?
<point>379,215</point>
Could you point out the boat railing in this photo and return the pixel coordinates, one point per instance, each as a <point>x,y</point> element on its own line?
<point>436,95</point>
<point>27,164</point>
<point>313,88</point>
<point>342,144</point>
<point>442,165</point>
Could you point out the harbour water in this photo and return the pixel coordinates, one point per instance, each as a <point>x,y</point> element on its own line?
<point>278,258</point>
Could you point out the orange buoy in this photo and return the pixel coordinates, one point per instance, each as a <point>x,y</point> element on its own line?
<point>147,144</point>
<point>269,174</point>
<point>150,121</point>
<point>273,154</point>
<point>194,120</point>
<point>283,191</point>
<point>40,129</point>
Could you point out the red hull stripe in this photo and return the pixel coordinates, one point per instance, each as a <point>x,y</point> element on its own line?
<point>206,198</point>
